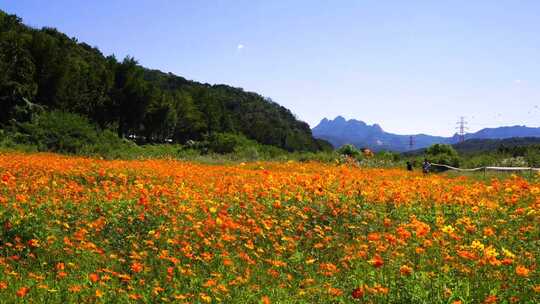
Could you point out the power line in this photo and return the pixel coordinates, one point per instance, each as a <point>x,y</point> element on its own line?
<point>462,126</point>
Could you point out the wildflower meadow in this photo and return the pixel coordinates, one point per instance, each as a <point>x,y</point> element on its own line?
<point>83,230</point>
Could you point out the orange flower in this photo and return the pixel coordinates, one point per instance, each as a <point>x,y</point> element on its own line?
<point>75,288</point>
<point>136,267</point>
<point>22,292</point>
<point>377,261</point>
<point>94,277</point>
<point>405,270</point>
<point>488,231</point>
<point>492,299</point>
<point>157,289</point>
<point>99,293</point>
<point>265,300</point>
<point>33,243</point>
<point>335,292</point>
<point>522,271</point>
<point>328,269</point>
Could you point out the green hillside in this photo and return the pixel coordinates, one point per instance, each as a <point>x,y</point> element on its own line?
<point>513,145</point>
<point>45,69</point>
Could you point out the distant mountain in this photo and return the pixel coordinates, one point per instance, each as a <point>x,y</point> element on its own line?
<point>475,145</point>
<point>482,145</point>
<point>340,131</point>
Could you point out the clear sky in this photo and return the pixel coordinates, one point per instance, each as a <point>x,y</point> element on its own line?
<point>410,66</point>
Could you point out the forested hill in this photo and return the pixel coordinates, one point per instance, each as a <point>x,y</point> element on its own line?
<point>45,68</point>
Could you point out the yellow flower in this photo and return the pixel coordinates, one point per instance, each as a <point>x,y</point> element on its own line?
<point>448,229</point>
<point>99,293</point>
<point>477,245</point>
<point>206,298</point>
<point>491,252</point>
<point>508,253</point>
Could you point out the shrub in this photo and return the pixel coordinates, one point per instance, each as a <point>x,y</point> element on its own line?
<point>224,143</point>
<point>518,161</point>
<point>350,150</point>
<point>533,157</point>
<point>59,132</point>
<point>64,132</point>
<point>388,156</point>
<point>442,154</point>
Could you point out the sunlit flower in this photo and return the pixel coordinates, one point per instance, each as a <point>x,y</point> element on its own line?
<point>94,277</point>
<point>522,271</point>
<point>405,270</point>
<point>136,267</point>
<point>22,292</point>
<point>448,229</point>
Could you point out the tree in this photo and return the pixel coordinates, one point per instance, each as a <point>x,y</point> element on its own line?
<point>160,118</point>
<point>131,95</point>
<point>443,154</point>
<point>49,69</point>
<point>17,82</point>
<point>190,123</point>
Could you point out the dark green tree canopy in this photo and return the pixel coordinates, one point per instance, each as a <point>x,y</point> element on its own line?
<point>47,68</point>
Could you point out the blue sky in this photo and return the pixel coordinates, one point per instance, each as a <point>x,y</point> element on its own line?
<point>410,66</point>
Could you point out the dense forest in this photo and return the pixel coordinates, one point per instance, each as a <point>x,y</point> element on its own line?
<point>43,69</point>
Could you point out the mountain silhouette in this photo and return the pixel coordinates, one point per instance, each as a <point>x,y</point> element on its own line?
<point>340,131</point>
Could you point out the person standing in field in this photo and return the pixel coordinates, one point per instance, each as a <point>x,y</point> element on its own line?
<point>426,166</point>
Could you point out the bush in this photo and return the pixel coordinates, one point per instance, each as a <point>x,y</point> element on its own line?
<point>388,156</point>
<point>518,161</point>
<point>59,132</point>
<point>350,150</point>
<point>480,160</point>
<point>64,132</point>
<point>224,143</point>
<point>533,157</point>
<point>442,154</point>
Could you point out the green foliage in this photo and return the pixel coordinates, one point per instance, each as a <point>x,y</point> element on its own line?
<point>49,69</point>
<point>442,154</point>
<point>324,145</point>
<point>59,132</point>
<point>64,133</point>
<point>478,160</point>
<point>388,156</point>
<point>225,142</point>
<point>350,150</point>
<point>532,156</point>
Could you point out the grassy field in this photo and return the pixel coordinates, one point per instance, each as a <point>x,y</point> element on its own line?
<point>80,230</point>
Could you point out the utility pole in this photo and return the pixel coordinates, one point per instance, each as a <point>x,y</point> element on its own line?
<point>411,143</point>
<point>462,126</point>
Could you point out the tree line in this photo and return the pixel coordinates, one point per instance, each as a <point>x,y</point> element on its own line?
<point>45,69</point>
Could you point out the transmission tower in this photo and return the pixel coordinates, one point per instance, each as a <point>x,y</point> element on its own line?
<point>411,142</point>
<point>461,127</point>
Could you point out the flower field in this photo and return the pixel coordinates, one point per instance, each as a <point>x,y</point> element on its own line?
<point>79,230</point>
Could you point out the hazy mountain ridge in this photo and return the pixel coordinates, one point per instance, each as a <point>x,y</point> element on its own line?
<point>340,131</point>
